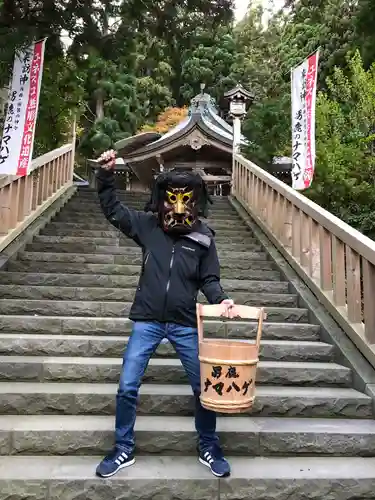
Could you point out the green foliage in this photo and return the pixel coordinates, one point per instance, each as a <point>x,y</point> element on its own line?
<point>209,61</point>
<point>345,113</point>
<point>345,173</point>
<point>136,71</point>
<point>325,23</point>
<point>60,99</point>
<point>23,22</point>
<point>256,62</point>
<point>364,23</point>
<point>127,61</point>
<point>114,110</point>
<point>269,52</point>
<point>179,28</point>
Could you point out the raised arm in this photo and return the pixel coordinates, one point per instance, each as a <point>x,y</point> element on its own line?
<point>133,223</point>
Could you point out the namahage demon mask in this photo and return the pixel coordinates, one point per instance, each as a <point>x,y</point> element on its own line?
<point>179,198</point>
<point>179,208</point>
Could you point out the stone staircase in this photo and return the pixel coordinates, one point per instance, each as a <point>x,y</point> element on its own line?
<point>63,325</point>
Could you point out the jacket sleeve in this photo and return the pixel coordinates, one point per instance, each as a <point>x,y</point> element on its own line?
<point>132,223</point>
<point>210,276</point>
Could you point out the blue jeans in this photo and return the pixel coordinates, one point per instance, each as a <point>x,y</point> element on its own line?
<point>145,338</point>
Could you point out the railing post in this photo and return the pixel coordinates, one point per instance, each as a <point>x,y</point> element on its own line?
<point>368,300</point>
<point>73,152</point>
<point>233,182</point>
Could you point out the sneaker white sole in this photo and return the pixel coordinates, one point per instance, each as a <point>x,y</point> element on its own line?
<point>209,466</point>
<point>123,466</point>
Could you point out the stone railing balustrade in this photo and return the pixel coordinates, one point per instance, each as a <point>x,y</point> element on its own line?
<point>23,199</point>
<point>336,261</point>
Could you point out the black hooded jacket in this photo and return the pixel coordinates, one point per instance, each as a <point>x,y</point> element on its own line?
<point>173,269</point>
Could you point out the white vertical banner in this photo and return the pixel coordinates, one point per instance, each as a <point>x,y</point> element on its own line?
<point>16,146</point>
<point>304,78</point>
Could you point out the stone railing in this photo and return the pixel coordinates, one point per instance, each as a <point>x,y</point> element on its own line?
<point>336,261</point>
<point>23,199</point>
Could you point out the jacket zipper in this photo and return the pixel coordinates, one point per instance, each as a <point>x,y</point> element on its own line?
<point>146,259</point>
<point>147,255</point>
<point>169,280</point>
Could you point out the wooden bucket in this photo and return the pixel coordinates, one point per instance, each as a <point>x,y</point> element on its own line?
<point>228,367</point>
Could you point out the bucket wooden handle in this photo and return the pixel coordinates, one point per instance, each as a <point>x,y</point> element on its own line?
<point>230,312</point>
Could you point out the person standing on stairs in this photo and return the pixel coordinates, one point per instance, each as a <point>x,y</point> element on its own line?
<point>179,259</point>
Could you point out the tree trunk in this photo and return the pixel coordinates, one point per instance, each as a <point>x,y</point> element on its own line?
<point>99,106</point>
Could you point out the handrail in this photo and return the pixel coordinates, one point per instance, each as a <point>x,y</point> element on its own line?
<point>37,163</point>
<point>334,259</point>
<point>23,199</point>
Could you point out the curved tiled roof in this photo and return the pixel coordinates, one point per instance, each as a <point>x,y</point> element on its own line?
<point>203,115</point>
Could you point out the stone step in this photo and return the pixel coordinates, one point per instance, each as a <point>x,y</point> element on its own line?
<point>82,233</point>
<point>139,198</point>
<point>130,248</point>
<point>235,243</point>
<point>127,295</point>
<point>89,205</point>
<point>97,225</point>
<point>78,206</point>
<point>232,231</point>
<point>118,281</point>
<point>139,204</point>
<point>74,398</point>
<point>115,309</point>
<point>86,190</point>
<point>56,325</point>
<point>218,219</point>
<point>160,477</point>
<point>135,195</point>
<point>131,252</point>
<point>113,233</point>
<point>260,270</point>
<point>140,201</point>
<point>215,220</point>
<point>87,435</point>
<point>244,262</point>
<point>163,371</point>
<point>113,346</point>
<point>60,373</point>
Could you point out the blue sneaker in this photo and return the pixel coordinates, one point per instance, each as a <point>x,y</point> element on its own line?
<point>114,462</point>
<point>213,458</point>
